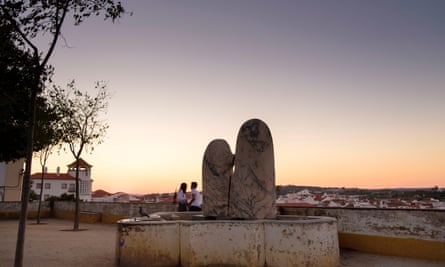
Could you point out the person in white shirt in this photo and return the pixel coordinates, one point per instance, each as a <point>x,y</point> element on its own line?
<point>196,201</point>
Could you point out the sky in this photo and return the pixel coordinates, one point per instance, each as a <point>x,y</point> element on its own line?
<point>352,91</point>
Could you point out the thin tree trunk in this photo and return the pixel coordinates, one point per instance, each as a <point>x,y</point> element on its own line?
<point>40,195</point>
<point>18,261</point>
<point>76,209</point>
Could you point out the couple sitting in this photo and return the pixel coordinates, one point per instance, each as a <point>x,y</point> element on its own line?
<point>195,202</point>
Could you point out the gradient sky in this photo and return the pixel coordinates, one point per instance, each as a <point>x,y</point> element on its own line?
<point>353,91</point>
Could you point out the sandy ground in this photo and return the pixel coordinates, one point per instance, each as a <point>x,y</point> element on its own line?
<point>53,243</point>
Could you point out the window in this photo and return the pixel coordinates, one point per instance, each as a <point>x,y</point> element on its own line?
<point>47,185</point>
<point>64,186</point>
<point>38,185</point>
<point>83,187</point>
<point>71,188</point>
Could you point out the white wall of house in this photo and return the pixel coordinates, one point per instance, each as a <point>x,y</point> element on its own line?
<point>54,187</point>
<point>66,184</point>
<point>85,183</point>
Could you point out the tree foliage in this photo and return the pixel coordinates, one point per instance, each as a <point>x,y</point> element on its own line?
<point>23,65</point>
<point>16,84</point>
<point>23,21</point>
<point>80,123</point>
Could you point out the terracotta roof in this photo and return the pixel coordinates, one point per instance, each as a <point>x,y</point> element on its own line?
<point>100,193</point>
<point>82,163</point>
<point>53,176</point>
<point>295,204</point>
<point>319,197</point>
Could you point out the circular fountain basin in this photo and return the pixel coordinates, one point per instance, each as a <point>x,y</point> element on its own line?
<point>188,240</point>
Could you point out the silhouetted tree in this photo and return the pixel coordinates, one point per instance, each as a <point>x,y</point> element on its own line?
<point>23,21</point>
<point>47,136</point>
<point>15,92</point>
<point>80,123</point>
<point>44,154</point>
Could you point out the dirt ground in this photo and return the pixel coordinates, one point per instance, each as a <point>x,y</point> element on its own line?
<point>53,243</point>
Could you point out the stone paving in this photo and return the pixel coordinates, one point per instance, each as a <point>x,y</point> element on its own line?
<point>53,243</point>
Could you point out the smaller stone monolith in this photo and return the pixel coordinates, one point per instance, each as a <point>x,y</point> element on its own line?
<point>217,169</point>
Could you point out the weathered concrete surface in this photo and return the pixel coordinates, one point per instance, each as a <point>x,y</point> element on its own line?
<point>419,224</point>
<point>222,243</point>
<point>154,246</point>
<point>406,233</point>
<point>252,189</point>
<point>217,170</point>
<point>109,212</point>
<point>287,242</point>
<point>310,244</point>
<point>11,209</point>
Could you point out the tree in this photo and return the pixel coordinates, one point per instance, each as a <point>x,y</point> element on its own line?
<point>43,156</point>
<point>24,20</point>
<point>15,92</point>
<point>48,136</point>
<point>80,123</point>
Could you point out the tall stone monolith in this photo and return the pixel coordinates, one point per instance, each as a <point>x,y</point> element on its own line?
<point>217,169</point>
<point>252,189</point>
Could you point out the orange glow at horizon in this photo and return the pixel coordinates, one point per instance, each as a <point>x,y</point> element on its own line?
<point>349,103</point>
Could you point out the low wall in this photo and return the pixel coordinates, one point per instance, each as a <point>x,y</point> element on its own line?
<point>406,233</point>
<point>11,210</point>
<point>90,212</point>
<point>107,212</point>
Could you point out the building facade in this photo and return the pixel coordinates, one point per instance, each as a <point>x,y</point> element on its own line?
<point>57,184</point>
<point>11,179</point>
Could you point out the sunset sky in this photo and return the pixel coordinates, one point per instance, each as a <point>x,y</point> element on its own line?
<point>353,91</point>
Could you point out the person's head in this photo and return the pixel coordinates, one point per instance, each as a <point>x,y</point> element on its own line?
<point>194,185</point>
<point>183,187</point>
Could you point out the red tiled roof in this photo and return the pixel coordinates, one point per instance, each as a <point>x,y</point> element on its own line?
<point>100,193</point>
<point>295,204</point>
<point>53,176</point>
<point>318,197</point>
<point>82,163</point>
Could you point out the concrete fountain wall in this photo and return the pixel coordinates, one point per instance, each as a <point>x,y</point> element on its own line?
<point>239,226</point>
<point>281,242</point>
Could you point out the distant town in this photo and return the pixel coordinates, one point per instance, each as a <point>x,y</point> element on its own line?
<point>61,186</point>
<point>310,196</point>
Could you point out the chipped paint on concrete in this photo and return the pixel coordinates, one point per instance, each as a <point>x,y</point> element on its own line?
<point>222,243</point>
<point>156,245</point>
<point>417,224</point>
<point>284,242</point>
<point>317,244</point>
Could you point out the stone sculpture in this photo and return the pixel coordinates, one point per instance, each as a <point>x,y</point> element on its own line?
<point>217,169</point>
<point>243,186</point>
<point>252,192</point>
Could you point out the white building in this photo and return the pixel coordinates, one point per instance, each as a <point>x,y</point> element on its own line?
<point>56,184</point>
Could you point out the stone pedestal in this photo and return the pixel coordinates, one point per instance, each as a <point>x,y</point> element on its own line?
<point>252,191</point>
<point>217,169</point>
